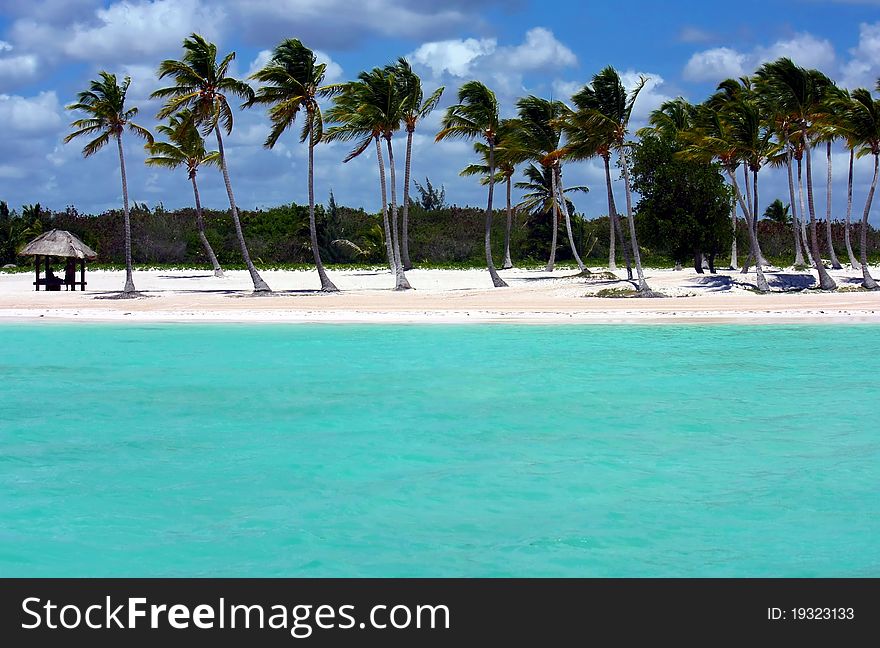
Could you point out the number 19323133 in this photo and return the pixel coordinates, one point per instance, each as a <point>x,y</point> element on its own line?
<point>811,614</point>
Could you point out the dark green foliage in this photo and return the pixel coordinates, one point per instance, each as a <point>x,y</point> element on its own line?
<point>430,198</point>
<point>685,205</point>
<point>778,212</point>
<point>451,236</point>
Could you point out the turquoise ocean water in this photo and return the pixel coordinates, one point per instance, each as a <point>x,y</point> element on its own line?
<point>222,450</point>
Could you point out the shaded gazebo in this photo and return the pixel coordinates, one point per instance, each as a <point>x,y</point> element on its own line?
<point>59,244</point>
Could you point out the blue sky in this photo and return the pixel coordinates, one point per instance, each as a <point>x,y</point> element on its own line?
<point>49,49</point>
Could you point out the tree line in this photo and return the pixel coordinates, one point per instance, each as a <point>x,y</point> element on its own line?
<point>775,117</point>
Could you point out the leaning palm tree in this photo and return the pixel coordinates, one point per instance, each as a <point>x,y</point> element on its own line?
<point>203,86</point>
<point>783,131</point>
<point>415,107</point>
<point>476,116</point>
<point>367,111</point>
<point>798,93</point>
<point>861,127</point>
<point>601,124</point>
<point>293,81</point>
<point>827,132</point>
<point>712,138</point>
<point>506,167</point>
<point>186,148</point>
<point>108,118</point>
<point>844,104</point>
<point>542,195</point>
<point>729,99</point>
<point>536,136</point>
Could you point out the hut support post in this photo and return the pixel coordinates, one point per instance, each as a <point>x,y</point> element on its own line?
<point>37,271</point>
<point>82,275</point>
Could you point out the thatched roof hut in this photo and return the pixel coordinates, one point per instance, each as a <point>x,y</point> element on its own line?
<point>58,243</point>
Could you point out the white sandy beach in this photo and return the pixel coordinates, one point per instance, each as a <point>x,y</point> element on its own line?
<point>450,296</point>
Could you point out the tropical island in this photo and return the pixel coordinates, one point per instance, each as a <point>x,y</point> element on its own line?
<point>691,227</point>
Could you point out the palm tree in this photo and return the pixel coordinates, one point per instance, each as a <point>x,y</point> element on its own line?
<point>186,148</point>
<point>712,138</point>
<point>783,131</point>
<point>364,111</point>
<point>415,108</point>
<point>798,93</point>
<point>536,135</point>
<point>861,126</point>
<point>505,168</point>
<point>476,115</point>
<point>753,140</point>
<point>294,80</point>
<point>601,125</point>
<point>202,86</point>
<point>731,96</point>
<point>675,118</point>
<point>842,104</point>
<point>544,196</point>
<point>827,131</point>
<point>108,118</point>
<point>778,212</point>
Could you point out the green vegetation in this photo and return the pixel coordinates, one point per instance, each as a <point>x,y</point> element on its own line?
<point>685,204</point>
<point>680,165</point>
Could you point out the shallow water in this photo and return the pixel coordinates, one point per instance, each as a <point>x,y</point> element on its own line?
<point>223,450</point>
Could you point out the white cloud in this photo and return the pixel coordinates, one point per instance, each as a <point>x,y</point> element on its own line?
<point>466,57</point>
<point>131,30</point>
<point>720,63</point>
<point>30,115</point>
<point>649,98</point>
<point>564,90</point>
<point>454,57</point>
<point>4,46</point>
<point>715,64</point>
<point>863,69</point>
<point>540,50</point>
<point>804,49</point>
<point>17,68</point>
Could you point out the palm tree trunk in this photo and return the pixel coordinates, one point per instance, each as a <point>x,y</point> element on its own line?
<point>835,263</point>
<point>554,222</point>
<point>560,191</point>
<point>643,285</point>
<point>126,219</point>
<point>389,246</point>
<point>849,192</point>
<point>615,223</point>
<point>805,241</point>
<point>825,280</point>
<point>761,256</point>
<point>200,224</point>
<point>868,280</point>
<point>497,281</point>
<point>753,240</point>
<point>748,189</point>
<point>507,264</point>
<point>326,284</point>
<point>612,252</point>
<point>733,260</point>
<point>404,251</point>
<point>752,201</point>
<point>798,252</point>
<point>259,285</point>
<point>400,280</point>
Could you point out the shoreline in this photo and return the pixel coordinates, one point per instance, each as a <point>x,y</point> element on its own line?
<point>442,297</point>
